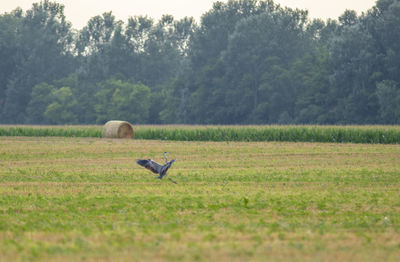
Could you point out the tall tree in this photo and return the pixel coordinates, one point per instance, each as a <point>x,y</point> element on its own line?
<point>204,83</point>
<point>354,62</point>
<point>258,60</point>
<point>43,54</point>
<point>9,24</point>
<point>94,45</point>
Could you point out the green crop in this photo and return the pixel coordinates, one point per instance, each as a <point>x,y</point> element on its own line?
<point>326,134</point>
<point>46,131</point>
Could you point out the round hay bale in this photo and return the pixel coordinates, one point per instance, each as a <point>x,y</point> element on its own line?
<point>117,129</point>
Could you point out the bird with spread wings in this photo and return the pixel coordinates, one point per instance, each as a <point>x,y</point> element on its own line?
<point>157,168</point>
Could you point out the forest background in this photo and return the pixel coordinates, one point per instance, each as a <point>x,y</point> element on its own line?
<point>245,62</point>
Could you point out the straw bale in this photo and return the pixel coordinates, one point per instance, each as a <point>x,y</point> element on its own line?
<point>117,129</point>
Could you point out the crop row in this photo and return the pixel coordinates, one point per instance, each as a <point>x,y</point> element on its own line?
<point>331,134</point>
<point>61,131</point>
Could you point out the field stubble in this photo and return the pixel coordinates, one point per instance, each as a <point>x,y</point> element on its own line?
<point>86,199</point>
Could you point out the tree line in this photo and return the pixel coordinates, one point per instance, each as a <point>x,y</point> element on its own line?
<point>245,62</point>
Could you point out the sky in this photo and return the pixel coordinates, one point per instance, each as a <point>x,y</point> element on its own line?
<point>78,12</point>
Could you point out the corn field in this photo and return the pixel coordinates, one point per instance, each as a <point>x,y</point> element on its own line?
<point>328,134</point>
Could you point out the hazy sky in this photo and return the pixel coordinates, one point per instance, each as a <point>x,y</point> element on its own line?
<point>80,11</point>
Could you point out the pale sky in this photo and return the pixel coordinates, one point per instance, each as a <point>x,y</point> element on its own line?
<point>80,11</point>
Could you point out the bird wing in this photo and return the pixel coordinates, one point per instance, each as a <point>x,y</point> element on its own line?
<point>165,168</point>
<point>150,165</point>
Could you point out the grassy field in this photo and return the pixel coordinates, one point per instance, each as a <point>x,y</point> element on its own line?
<point>71,199</point>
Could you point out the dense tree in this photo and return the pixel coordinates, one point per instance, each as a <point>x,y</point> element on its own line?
<point>63,108</point>
<point>389,100</point>
<point>94,46</point>
<point>9,24</point>
<point>41,98</point>
<point>259,55</point>
<point>315,101</point>
<point>117,99</point>
<point>43,54</point>
<point>206,85</point>
<point>246,62</point>
<point>360,52</point>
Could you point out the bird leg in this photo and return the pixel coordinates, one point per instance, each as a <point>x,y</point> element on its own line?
<point>172,181</point>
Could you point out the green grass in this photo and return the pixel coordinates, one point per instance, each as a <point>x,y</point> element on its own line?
<point>327,134</point>
<point>75,199</point>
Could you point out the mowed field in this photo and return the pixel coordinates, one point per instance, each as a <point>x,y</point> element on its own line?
<point>85,199</point>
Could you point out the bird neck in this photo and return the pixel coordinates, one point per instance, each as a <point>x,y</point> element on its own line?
<point>165,157</point>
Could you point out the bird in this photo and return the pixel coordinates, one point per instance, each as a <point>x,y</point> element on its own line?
<point>157,168</point>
